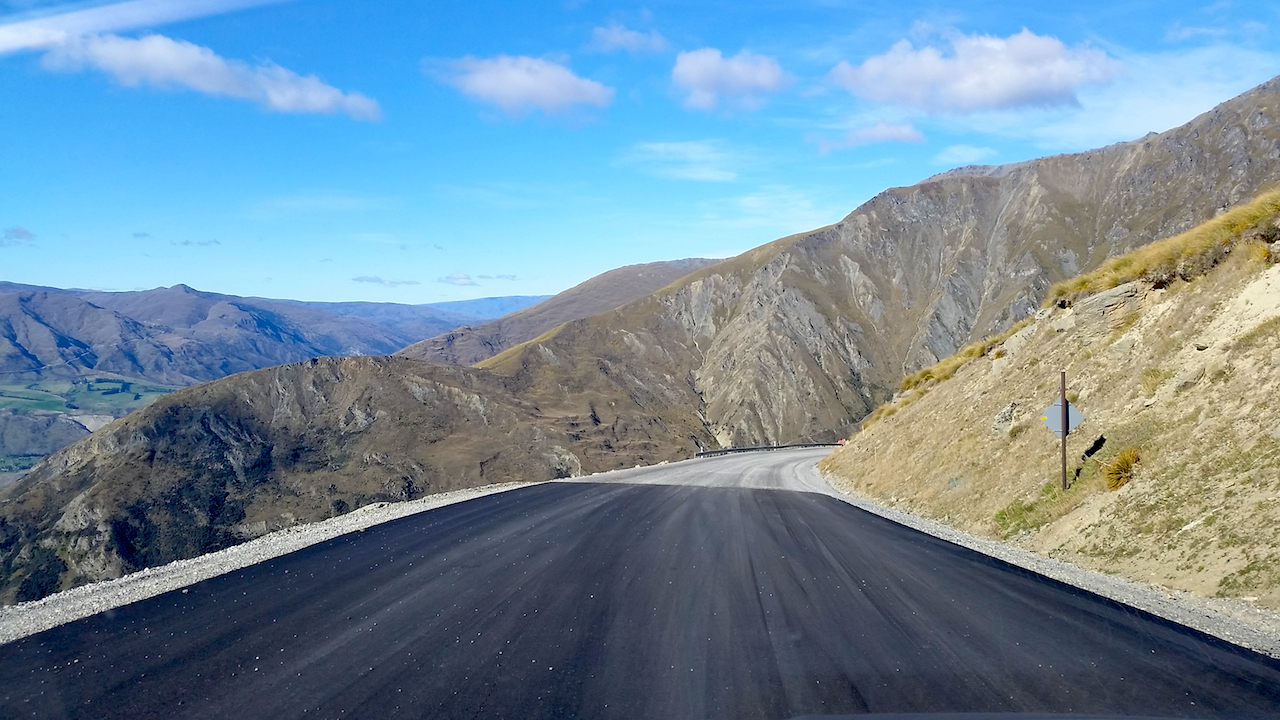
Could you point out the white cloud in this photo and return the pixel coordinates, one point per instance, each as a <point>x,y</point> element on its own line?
<point>375,280</point>
<point>616,37</point>
<point>872,134</point>
<point>520,84</point>
<point>963,155</point>
<point>163,62</point>
<point>60,27</point>
<point>457,279</point>
<point>692,160</point>
<point>708,77</point>
<point>980,73</point>
<point>1157,92</point>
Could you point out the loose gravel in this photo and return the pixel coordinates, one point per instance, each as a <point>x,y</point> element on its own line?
<point>1231,620</point>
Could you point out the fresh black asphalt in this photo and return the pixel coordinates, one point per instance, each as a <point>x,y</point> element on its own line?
<point>594,600</point>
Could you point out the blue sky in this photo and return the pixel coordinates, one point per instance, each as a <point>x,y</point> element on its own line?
<point>422,152</point>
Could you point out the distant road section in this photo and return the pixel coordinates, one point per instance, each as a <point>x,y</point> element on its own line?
<point>707,589</point>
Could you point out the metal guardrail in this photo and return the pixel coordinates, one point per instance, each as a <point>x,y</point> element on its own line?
<point>762,448</point>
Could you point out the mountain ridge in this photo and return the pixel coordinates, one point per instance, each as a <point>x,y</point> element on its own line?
<point>469,345</point>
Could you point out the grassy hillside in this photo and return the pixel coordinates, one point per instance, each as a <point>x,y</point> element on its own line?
<point>1172,353</point>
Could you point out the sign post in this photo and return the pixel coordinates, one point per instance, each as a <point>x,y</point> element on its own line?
<point>1061,418</point>
<point>1066,427</point>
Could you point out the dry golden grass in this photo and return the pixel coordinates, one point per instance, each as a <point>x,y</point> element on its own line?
<point>1120,470</point>
<point>947,367</point>
<point>1185,256</point>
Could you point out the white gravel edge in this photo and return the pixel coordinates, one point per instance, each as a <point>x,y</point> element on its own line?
<point>1182,608</point>
<point>19,621</point>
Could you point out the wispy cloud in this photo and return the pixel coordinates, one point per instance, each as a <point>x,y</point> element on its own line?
<point>73,20</point>
<point>162,62</point>
<point>457,279</point>
<point>979,72</point>
<point>872,134</point>
<point>16,235</point>
<point>141,235</point>
<point>963,155</point>
<point>614,36</point>
<point>702,160</point>
<point>375,280</point>
<point>741,81</point>
<point>1177,32</point>
<point>518,85</point>
<point>195,243</point>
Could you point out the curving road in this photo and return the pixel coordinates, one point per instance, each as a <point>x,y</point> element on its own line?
<point>728,587</point>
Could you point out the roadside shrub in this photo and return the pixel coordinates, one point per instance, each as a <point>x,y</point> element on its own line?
<point>1120,470</point>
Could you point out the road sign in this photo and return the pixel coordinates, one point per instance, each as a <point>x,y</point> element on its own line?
<point>1053,417</point>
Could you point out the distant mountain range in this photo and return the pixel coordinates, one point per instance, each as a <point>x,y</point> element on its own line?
<point>794,340</point>
<point>178,335</point>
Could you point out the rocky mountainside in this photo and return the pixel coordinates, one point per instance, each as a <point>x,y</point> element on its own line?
<point>798,339</point>
<point>1177,380</point>
<point>55,344</point>
<point>470,345</point>
<point>795,340</point>
<point>213,465</point>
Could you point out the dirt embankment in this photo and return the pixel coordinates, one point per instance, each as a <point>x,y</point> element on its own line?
<point>1186,377</point>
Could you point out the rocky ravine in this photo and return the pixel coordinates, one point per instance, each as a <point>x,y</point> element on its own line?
<point>795,340</point>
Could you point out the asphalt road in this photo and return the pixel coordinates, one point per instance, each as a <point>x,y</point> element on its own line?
<point>633,599</point>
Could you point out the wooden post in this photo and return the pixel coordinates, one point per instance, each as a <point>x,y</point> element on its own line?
<point>1065,429</point>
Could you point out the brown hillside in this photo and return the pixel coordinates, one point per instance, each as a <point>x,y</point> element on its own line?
<point>1177,375</point>
<point>469,345</point>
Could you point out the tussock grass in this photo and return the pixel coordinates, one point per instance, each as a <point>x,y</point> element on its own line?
<point>947,367</point>
<point>1152,378</point>
<point>919,382</point>
<point>1120,470</point>
<point>1185,256</point>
